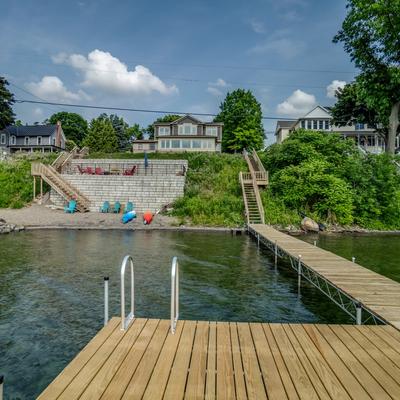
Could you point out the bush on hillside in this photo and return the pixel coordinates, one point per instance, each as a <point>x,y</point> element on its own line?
<point>328,178</point>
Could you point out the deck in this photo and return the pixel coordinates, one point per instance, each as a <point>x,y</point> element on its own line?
<point>221,360</point>
<point>376,294</point>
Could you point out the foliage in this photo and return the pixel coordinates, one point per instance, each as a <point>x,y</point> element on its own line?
<point>101,136</point>
<point>134,133</point>
<point>121,130</point>
<point>242,118</point>
<point>74,126</point>
<point>370,34</point>
<point>326,177</point>
<point>16,180</point>
<point>166,118</point>
<point>6,102</point>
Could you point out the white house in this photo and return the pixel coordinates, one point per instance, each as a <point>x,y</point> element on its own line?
<point>320,119</point>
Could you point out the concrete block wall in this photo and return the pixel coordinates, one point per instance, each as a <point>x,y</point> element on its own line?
<point>149,192</point>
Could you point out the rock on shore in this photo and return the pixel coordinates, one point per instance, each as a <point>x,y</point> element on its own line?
<point>8,228</point>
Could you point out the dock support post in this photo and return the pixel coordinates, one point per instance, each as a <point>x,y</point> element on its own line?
<point>276,253</point>
<point>258,239</point>
<point>1,386</point>
<point>299,271</point>
<point>106,279</point>
<point>358,314</point>
<point>353,259</point>
<point>315,242</point>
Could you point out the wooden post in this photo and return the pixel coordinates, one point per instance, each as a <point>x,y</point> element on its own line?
<point>34,187</point>
<point>41,190</point>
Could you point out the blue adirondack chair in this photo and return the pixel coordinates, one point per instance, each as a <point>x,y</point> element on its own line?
<point>129,207</point>
<point>71,208</point>
<point>117,207</point>
<point>105,208</point>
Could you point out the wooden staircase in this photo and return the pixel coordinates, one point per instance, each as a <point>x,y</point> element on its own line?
<point>50,175</point>
<point>256,167</point>
<point>252,200</point>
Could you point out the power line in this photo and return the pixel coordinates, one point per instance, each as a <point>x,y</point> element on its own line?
<point>132,109</point>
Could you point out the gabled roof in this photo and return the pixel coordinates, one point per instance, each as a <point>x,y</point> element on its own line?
<point>285,124</point>
<point>31,130</point>
<point>195,120</point>
<point>310,113</point>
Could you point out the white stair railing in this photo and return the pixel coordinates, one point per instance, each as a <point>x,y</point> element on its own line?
<point>174,294</point>
<point>125,321</point>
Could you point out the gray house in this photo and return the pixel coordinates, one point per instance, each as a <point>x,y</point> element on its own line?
<point>185,134</point>
<point>44,138</point>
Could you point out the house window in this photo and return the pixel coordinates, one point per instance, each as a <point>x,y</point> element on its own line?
<point>315,124</point>
<point>327,125</point>
<point>140,146</point>
<point>303,124</point>
<point>187,129</point>
<point>163,130</point>
<point>212,131</point>
<point>3,138</point>
<point>175,144</point>
<point>320,125</point>
<point>359,127</point>
<point>39,140</point>
<point>26,140</point>
<point>207,144</point>
<point>13,140</point>
<point>309,125</point>
<point>196,144</point>
<point>185,144</point>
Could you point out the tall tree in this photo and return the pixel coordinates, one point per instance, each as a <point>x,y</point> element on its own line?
<point>371,35</point>
<point>134,132</point>
<point>75,127</point>
<point>120,128</point>
<point>101,136</point>
<point>6,101</point>
<point>242,117</point>
<point>166,118</point>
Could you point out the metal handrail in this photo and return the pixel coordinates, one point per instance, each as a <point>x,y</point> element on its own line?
<point>125,321</point>
<point>174,294</point>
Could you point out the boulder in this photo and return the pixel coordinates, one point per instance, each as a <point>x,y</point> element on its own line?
<point>309,225</point>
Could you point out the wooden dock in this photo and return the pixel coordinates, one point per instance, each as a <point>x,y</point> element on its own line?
<point>336,276</point>
<point>221,360</point>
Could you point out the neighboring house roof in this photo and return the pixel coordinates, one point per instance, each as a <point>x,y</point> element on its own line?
<point>30,130</point>
<point>283,124</point>
<point>197,121</point>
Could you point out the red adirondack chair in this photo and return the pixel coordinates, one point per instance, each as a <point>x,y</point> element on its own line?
<point>99,171</point>
<point>130,171</point>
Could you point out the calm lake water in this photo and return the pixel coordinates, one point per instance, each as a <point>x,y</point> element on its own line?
<point>51,289</point>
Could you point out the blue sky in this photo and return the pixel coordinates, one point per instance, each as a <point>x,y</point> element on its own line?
<point>172,55</point>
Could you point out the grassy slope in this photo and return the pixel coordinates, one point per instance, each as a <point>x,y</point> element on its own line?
<point>16,188</point>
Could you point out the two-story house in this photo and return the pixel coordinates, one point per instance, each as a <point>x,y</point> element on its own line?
<point>184,134</point>
<point>320,119</point>
<point>44,138</point>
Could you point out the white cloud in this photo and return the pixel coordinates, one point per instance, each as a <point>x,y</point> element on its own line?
<point>297,104</point>
<point>103,71</point>
<point>213,87</point>
<point>257,26</point>
<point>333,86</point>
<point>52,88</point>
<point>214,91</point>
<point>38,112</point>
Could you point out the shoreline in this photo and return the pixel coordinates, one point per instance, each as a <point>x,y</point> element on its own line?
<point>34,217</point>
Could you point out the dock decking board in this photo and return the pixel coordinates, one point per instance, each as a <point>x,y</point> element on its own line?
<point>229,360</point>
<point>378,294</point>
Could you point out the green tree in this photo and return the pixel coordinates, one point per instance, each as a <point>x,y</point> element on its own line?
<point>166,118</point>
<point>242,117</point>
<point>75,127</point>
<point>134,132</point>
<point>101,136</point>
<point>6,101</point>
<point>370,34</point>
<point>121,130</point>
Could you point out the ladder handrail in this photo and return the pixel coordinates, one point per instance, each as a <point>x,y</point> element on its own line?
<point>125,321</point>
<point>244,196</point>
<point>174,294</point>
